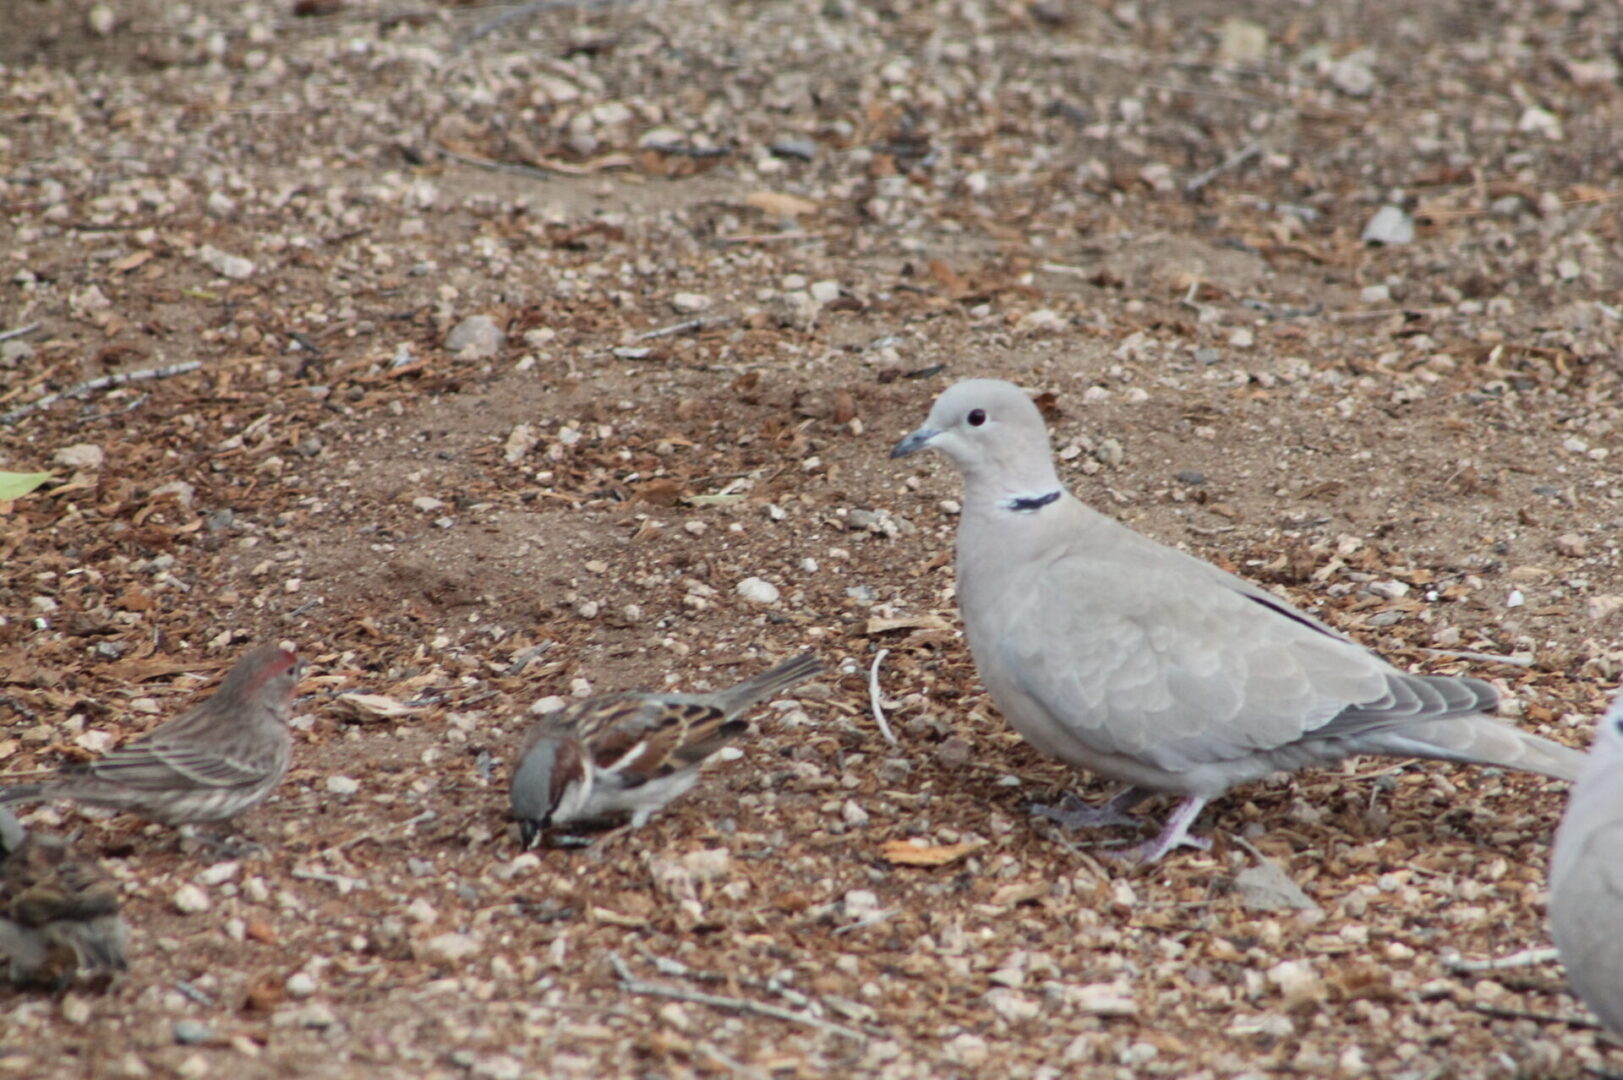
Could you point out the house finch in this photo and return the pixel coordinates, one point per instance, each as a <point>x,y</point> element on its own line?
<point>209,764</point>
<point>58,913</point>
<point>630,753</point>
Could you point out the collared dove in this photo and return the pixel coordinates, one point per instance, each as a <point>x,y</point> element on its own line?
<point>631,753</point>
<point>1120,655</point>
<point>1586,876</point>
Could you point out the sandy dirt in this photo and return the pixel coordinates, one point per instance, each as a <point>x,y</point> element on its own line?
<point>728,254</point>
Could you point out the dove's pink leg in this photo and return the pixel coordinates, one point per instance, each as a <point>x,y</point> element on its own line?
<point>1073,813</point>
<point>1175,833</point>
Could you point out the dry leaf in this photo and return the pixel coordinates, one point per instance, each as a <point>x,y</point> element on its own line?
<point>907,853</point>
<point>376,705</point>
<point>881,625</point>
<point>1019,892</point>
<point>779,204</point>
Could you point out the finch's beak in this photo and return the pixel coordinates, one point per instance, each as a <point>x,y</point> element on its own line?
<point>529,833</point>
<point>914,442</point>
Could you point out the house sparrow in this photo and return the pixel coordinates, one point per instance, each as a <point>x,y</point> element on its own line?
<point>210,764</point>
<point>631,753</point>
<point>58,912</point>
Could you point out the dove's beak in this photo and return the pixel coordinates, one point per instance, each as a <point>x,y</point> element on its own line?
<point>914,442</point>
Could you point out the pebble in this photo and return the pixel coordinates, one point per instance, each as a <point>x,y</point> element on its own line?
<point>313,1015</point>
<point>758,591</point>
<point>80,456</point>
<point>234,267</point>
<point>451,947</point>
<point>1012,1005</point>
<point>708,864</point>
<point>475,337</point>
<point>1192,477</point>
<point>859,904</point>
<point>75,1010</point>
<point>688,303</point>
<point>190,900</point>
<point>825,292</point>
<point>1571,545</point>
<point>343,785</point>
<point>219,873</point>
<point>1390,225</point>
<point>300,985</point>
<point>427,504</point>
<point>800,149</point>
<point>192,1032</point>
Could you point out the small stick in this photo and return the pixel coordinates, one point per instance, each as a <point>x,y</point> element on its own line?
<point>187,990</point>
<point>692,325</point>
<point>759,1008</point>
<point>21,331</point>
<point>495,166</point>
<point>1492,658</point>
<point>1459,965</point>
<point>522,11</point>
<point>873,696</point>
<point>101,383</point>
<point>1543,1018</point>
<point>1233,161</point>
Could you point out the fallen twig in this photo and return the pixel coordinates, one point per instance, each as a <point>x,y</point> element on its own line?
<point>1233,161</point>
<point>102,383</point>
<point>1503,1013</point>
<point>1492,658</point>
<point>690,326</point>
<point>495,166</point>
<point>522,11</point>
<point>1459,965</point>
<point>21,331</point>
<point>760,1008</point>
<point>873,696</point>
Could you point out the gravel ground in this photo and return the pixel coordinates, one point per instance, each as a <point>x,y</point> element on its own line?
<point>495,354</point>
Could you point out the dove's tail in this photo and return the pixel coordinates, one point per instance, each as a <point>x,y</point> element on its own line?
<point>1476,740</point>
<point>736,699</point>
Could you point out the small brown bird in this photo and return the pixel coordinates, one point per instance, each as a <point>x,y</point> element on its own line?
<point>210,764</point>
<point>58,913</point>
<point>631,753</point>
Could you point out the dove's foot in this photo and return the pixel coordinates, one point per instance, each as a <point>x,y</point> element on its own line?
<point>1174,834</point>
<point>1073,813</point>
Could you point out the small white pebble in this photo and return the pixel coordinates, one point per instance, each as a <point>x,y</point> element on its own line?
<point>300,985</point>
<point>219,873</point>
<point>758,591</point>
<point>190,900</point>
<point>343,785</point>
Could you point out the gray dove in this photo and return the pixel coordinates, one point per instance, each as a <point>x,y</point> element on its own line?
<point>1586,876</point>
<point>1120,655</point>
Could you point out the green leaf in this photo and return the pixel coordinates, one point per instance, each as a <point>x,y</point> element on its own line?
<point>14,485</point>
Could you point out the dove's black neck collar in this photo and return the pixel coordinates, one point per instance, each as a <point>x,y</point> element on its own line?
<point>1030,504</point>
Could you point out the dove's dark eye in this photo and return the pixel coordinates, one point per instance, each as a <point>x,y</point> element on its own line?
<point>977,417</point>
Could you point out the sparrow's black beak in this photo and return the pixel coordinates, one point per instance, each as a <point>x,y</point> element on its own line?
<point>529,832</point>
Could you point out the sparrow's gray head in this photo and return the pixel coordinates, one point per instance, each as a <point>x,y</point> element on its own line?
<point>532,797</point>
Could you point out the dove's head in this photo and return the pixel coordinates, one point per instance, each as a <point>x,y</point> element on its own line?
<point>995,436</point>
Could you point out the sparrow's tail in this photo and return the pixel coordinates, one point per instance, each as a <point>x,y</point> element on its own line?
<point>735,700</point>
